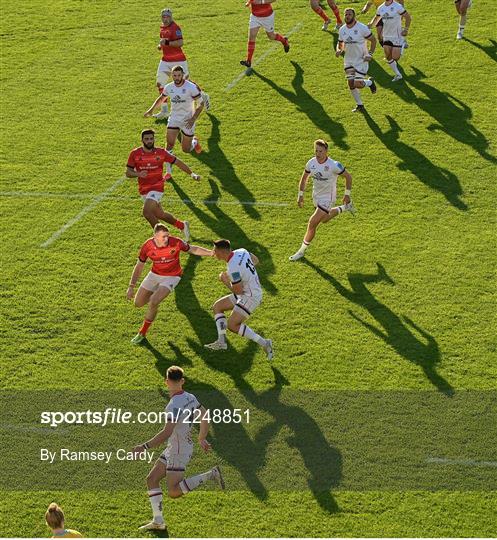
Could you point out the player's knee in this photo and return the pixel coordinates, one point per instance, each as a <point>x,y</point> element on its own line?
<point>174,492</point>
<point>271,35</point>
<point>351,83</point>
<point>233,326</point>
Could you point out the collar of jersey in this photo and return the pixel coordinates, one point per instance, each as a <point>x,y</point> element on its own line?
<point>230,256</point>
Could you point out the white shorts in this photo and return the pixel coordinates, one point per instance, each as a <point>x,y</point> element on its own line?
<point>393,41</point>
<point>165,68</point>
<point>244,304</point>
<point>265,22</point>
<point>356,70</point>
<point>178,122</point>
<point>154,195</point>
<point>175,462</point>
<point>153,281</point>
<point>325,203</point>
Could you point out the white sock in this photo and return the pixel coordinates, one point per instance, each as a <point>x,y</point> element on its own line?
<point>395,69</point>
<point>367,82</point>
<point>189,484</point>
<point>248,333</point>
<point>221,327</point>
<point>155,496</point>
<point>194,144</point>
<point>356,95</point>
<point>462,22</point>
<point>304,246</point>
<point>340,208</point>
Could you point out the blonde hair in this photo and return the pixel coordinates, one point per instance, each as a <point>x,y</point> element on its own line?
<point>321,142</point>
<point>54,516</point>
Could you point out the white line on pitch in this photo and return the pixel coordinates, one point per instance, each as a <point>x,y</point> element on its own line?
<point>260,59</point>
<point>467,462</point>
<point>83,213</point>
<point>48,194</point>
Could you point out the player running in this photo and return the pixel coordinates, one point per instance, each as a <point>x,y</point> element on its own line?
<point>164,251</point>
<point>351,44</point>
<point>324,172</point>
<point>182,411</point>
<point>171,43</point>
<point>462,7</point>
<point>379,24</point>
<point>392,13</point>
<point>246,295</point>
<point>320,11</point>
<point>261,16</point>
<point>186,106</point>
<point>147,164</point>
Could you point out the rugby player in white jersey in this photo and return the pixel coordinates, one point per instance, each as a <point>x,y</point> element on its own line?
<point>186,105</point>
<point>246,295</point>
<point>324,172</point>
<point>182,411</point>
<point>462,7</point>
<point>392,13</point>
<point>352,38</point>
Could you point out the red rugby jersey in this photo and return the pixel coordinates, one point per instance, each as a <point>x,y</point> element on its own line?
<point>153,163</point>
<point>172,32</point>
<point>165,260</point>
<point>261,10</point>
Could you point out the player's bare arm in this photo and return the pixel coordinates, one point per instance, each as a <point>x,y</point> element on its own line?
<point>132,173</point>
<point>255,259</point>
<point>372,47</point>
<point>172,43</point>
<point>348,186</point>
<point>189,123</point>
<point>135,276</point>
<point>157,440</point>
<point>340,49</point>
<point>159,101</point>
<point>204,431</point>
<point>236,288</point>
<point>366,7</point>
<point>200,251</point>
<point>407,23</point>
<point>374,21</point>
<point>184,167</point>
<point>302,186</point>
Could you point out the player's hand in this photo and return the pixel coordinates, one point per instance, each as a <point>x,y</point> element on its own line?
<point>223,278</point>
<point>159,47</point>
<point>147,114</point>
<point>300,202</point>
<point>369,25</point>
<point>142,174</point>
<point>338,54</point>
<point>189,123</point>
<point>138,450</point>
<point>368,58</point>
<point>404,32</point>
<point>130,293</point>
<point>206,446</point>
<point>248,2</point>
<point>346,199</point>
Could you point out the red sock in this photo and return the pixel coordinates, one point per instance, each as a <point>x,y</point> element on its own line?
<point>336,12</point>
<point>321,13</point>
<point>179,224</point>
<point>145,326</point>
<point>280,38</point>
<point>250,50</point>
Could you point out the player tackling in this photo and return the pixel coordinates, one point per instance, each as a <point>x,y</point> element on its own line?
<point>182,411</point>
<point>352,38</point>
<point>324,172</point>
<point>246,295</point>
<point>164,251</point>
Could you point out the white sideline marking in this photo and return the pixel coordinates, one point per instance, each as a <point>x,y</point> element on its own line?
<point>468,462</point>
<point>48,194</point>
<point>260,59</point>
<point>83,213</point>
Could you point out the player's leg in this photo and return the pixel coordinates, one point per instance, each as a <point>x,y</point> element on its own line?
<point>172,133</point>
<point>236,324</point>
<point>392,54</point>
<point>462,8</point>
<point>163,75</point>
<point>336,12</point>
<point>360,81</point>
<point>337,210</point>
<point>350,74</point>
<point>222,305</point>
<point>155,298</point>
<point>320,11</point>
<point>154,478</point>
<point>379,32</point>
<point>252,36</point>
<point>189,142</point>
<point>177,485</point>
<point>268,23</point>
<point>169,218</point>
<point>316,218</point>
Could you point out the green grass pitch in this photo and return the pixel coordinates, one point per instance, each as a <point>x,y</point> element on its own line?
<point>399,301</point>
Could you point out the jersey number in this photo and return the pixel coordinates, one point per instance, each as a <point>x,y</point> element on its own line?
<point>250,265</point>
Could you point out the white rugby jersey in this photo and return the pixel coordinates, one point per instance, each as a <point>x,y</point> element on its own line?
<point>181,406</point>
<point>182,98</point>
<point>392,20</point>
<point>354,39</point>
<point>242,270</point>
<point>324,176</point>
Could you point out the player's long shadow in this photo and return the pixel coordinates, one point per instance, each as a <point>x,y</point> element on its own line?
<point>452,115</point>
<point>221,167</point>
<point>490,50</point>
<point>312,108</point>
<point>226,227</point>
<point>419,165</point>
<point>397,332</point>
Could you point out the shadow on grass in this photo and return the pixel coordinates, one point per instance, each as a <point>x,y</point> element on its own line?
<point>489,50</point>
<point>312,108</point>
<point>420,166</point>
<point>395,331</point>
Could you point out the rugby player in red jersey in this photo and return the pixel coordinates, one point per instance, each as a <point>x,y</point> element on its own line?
<point>164,251</point>
<point>319,10</point>
<point>261,16</point>
<point>147,163</point>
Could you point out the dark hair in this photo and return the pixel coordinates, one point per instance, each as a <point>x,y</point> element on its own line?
<point>350,9</point>
<point>178,68</point>
<point>160,227</point>
<point>222,244</point>
<point>321,142</point>
<point>174,373</point>
<point>148,131</point>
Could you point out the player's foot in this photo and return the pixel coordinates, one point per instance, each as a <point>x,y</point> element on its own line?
<point>246,63</point>
<point>460,34</point>
<point>138,339</point>
<point>325,25</point>
<point>153,526</point>
<point>349,207</point>
<point>397,78</point>
<point>206,100</point>
<point>286,45</point>
<point>216,346</point>
<point>268,347</point>
<point>186,230</point>
<point>217,476</point>
<point>167,177</point>
<point>359,108</point>
<point>196,145</point>
<point>296,256</point>
<point>373,86</point>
